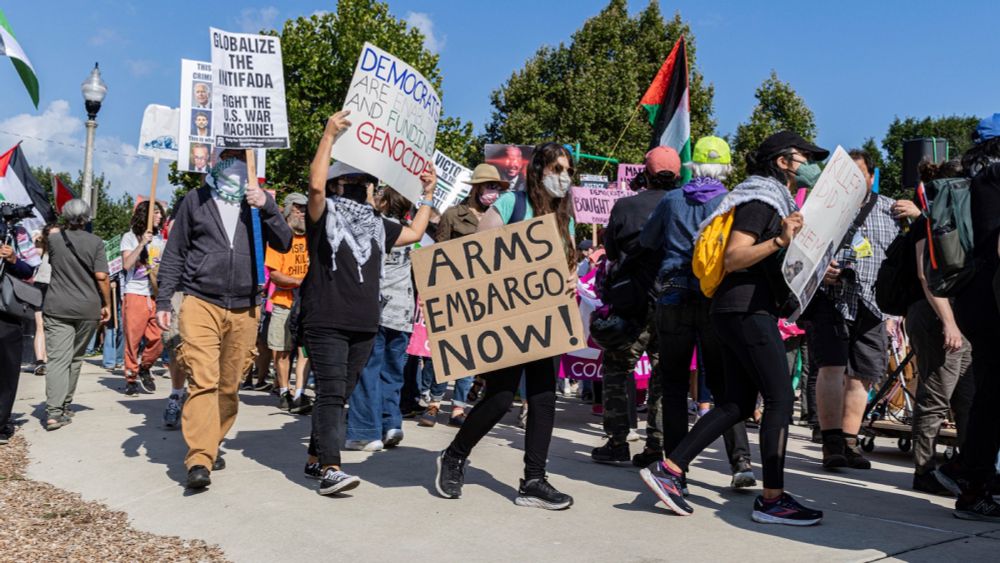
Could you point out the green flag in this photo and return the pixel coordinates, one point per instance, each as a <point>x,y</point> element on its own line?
<point>9,47</point>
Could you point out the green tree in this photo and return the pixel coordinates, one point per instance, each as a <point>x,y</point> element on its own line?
<point>778,108</point>
<point>114,215</point>
<point>956,129</point>
<point>183,182</point>
<point>589,90</point>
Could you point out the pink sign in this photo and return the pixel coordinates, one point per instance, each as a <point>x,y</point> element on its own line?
<point>584,365</point>
<point>628,171</point>
<point>419,346</point>
<point>593,206</point>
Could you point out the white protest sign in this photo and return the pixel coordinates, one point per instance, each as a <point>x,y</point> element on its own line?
<point>158,134</point>
<point>195,147</point>
<point>394,116</point>
<point>249,91</point>
<point>451,182</point>
<point>828,213</point>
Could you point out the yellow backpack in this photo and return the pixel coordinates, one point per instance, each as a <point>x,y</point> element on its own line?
<point>708,259</point>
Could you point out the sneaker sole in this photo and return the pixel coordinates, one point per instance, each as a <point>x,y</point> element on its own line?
<point>743,480</point>
<point>348,484</point>
<point>947,482</point>
<point>147,387</point>
<point>198,485</point>
<point>615,462</point>
<point>535,502</point>
<point>968,515</point>
<point>837,462</point>
<point>392,442</point>
<point>437,482</point>
<point>762,518</point>
<point>647,477</point>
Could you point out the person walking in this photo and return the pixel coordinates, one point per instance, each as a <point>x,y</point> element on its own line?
<point>141,249</point>
<point>12,337</point>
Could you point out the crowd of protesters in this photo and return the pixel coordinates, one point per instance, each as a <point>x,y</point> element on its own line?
<point>330,333</point>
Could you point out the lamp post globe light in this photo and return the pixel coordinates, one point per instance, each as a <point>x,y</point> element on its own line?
<point>94,89</point>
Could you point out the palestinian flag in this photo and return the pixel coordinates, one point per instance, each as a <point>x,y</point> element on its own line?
<point>11,48</point>
<point>668,105</point>
<point>61,193</point>
<point>19,187</point>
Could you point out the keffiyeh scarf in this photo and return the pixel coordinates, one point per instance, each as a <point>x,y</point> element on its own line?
<point>358,226</point>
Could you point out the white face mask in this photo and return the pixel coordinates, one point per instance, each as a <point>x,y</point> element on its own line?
<point>557,184</point>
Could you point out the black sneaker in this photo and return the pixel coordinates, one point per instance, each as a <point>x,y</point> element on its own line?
<point>302,405</point>
<point>927,483</point>
<point>40,368</point>
<point>785,510</point>
<point>146,380</point>
<point>646,457</point>
<point>313,471</point>
<point>982,508</point>
<point>131,388</point>
<point>855,459</point>
<point>951,477</point>
<point>220,462</point>
<point>817,435</point>
<point>263,386</point>
<point>335,481</point>
<point>285,401</point>
<point>833,452</point>
<point>743,475</point>
<point>450,475</point>
<point>611,453</point>
<point>6,433</point>
<point>668,487</point>
<point>538,493</point>
<point>198,477</point>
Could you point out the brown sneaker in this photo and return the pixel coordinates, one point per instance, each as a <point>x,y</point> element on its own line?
<point>855,459</point>
<point>429,418</point>
<point>833,452</point>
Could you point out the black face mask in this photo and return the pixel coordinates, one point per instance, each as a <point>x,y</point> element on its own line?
<point>355,192</point>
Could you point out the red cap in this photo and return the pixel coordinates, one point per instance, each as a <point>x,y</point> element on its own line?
<point>663,159</point>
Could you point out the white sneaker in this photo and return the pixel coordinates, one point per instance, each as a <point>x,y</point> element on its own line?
<point>363,446</point>
<point>393,438</point>
<point>633,436</point>
<point>334,482</point>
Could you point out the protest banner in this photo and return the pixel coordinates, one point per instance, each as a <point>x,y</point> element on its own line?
<point>827,215</point>
<point>451,177</point>
<point>588,364</point>
<point>194,151</point>
<point>248,91</point>
<point>593,205</point>
<point>594,181</point>
<point>394,115</point>
<point>626,172</point>
<point>113,253</point>
<point>157,139</point>
<point>497,299</point>
<point>511,161</point>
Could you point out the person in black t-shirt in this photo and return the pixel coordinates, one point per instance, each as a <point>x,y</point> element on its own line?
<point>340,294</point>
<point>744,314</point>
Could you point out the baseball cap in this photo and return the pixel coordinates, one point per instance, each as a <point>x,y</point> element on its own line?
<point>663,159</point>
<point>338,169</point>
<point>988,128</point>
<point>784,140</point>
<point>585,244</point>
<point>712,150</point>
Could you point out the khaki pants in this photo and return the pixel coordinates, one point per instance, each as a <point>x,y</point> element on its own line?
<point>216,350</point>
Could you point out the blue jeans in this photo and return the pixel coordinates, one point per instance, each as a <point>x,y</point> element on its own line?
<point>435,391</point>
<point>374,405</point>
<point>114,345</point>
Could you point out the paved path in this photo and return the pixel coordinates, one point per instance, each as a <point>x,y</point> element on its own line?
<point>262,509</point>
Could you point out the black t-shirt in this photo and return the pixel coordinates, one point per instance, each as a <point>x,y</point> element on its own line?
<point>749,291</point>
<point>985,208</point>
<point>338,298</point>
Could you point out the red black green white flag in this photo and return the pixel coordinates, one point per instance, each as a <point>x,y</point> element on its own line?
<point>667,102</point>
<point>9,47</point>
<point>19,187</point>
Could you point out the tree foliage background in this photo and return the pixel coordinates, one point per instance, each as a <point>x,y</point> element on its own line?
<point>588,90</point>
<point>113,215</point>
<point>957,129</point>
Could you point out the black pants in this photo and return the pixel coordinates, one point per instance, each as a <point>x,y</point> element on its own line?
<point>10,365</point>
<point>978,318</point>
<point>540,384</point>
<point>337,357</point>
<point>754,358</point>
<point>681,326</point>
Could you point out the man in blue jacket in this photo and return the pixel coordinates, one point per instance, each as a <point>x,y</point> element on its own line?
<point>210,254</point>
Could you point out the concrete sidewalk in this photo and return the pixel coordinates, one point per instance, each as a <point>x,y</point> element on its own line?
<point>261,508</point>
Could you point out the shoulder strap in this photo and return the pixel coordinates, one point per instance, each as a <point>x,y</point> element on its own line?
<point>520,207</point>
<point>69,245</point>
<point>860,219</point>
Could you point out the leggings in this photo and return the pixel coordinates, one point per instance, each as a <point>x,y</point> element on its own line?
<point>754,358</point>
<point>540,378</point>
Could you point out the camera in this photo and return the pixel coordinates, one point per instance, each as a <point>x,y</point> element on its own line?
<point>11,214</point>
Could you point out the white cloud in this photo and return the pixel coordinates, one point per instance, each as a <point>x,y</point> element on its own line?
<point>425,24</point>
<point>105,36</point>
<point>252,20</point>
<point>56,138</point>
<point>140,67</point>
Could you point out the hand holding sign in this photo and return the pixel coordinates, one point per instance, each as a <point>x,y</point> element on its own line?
<point>790,226</point>
<point>429,180</point>
<point>337,123</point>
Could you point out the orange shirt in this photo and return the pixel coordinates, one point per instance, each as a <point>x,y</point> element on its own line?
<point>295,264</point>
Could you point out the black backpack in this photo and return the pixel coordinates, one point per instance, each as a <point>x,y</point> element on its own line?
<point>897,285</point>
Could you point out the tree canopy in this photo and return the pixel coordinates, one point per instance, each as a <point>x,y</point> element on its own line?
<point>113,215</point>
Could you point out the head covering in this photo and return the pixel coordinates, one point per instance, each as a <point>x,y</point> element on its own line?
<point>338,169</point>
<point>585,244</point>
<point>712,150</point>
<point>486,173</point>
<point>784,140</point>
<point>988,128</point>
<point>291,199</point>
<point>663,159</point>
<point>228,180</point>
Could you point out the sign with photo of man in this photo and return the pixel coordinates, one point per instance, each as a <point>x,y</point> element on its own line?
<point>512,161</point>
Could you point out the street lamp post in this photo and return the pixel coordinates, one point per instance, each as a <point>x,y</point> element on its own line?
<point>94,89</point>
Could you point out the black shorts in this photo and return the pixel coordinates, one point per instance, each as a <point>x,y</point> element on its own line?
<point>862,344</point>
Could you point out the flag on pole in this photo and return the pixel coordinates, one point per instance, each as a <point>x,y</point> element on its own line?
<point>668,104</point>
<point>19,187</point>
<point>61,193</point>
<point>9,47</point>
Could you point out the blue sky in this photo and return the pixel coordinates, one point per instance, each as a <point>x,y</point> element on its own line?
<point>857,64</point>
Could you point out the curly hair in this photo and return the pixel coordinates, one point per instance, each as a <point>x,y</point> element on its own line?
<point>138,225</point>
<point>542,203</point>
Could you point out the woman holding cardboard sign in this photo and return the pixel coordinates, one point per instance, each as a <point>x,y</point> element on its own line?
<point>340,294</point>
<point>548,182</point>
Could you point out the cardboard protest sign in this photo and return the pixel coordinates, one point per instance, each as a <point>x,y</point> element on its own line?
<point>498,299</point>
<point>828,213</point>
<point>394,117</point>
<point>113,253</point>
<point>511,161</point>
<point>158,134</point>
<point>593,181</point>
<point>451,178</point>
<point>593,205</point>
<point>626,172</point>
<point>248,93</point>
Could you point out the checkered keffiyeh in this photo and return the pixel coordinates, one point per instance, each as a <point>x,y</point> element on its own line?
<point>880,229</point>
